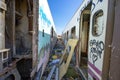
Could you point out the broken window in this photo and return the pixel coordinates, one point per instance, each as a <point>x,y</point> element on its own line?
<point>97,28</point>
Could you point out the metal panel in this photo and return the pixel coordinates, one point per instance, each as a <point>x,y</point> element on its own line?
<point>108,40</point>
<point>96,43</point>
<point>64,64</point>
<point>115,55</point>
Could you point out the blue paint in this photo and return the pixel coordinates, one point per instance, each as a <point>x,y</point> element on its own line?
<point>44,17</point>
<point>43,43</point>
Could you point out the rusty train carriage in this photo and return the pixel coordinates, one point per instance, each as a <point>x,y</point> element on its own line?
<point>96,26</point>
<point>19,39</point>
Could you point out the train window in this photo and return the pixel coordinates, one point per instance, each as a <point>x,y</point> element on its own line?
<point>73,32</point>
<point>52,32</point>
<point>43,34</point>
<point>67,35</point>
<point>97,28</point>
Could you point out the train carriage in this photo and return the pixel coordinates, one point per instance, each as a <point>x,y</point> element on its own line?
<point>27,34</point>
<point>47,35</point>
<point>93,24</point>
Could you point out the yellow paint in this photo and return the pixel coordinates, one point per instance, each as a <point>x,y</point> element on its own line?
<point>64,64</point>
<point>54,57</point>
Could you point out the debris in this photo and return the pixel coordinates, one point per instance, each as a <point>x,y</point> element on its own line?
<point>71,73</point>
<point>51,73</point>
<point>56,76</point>
<point>54,62</point>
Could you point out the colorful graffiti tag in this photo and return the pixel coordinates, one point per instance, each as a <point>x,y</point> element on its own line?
<point>44,18</point>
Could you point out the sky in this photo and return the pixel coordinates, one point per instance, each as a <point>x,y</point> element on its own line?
<point>62,11</point>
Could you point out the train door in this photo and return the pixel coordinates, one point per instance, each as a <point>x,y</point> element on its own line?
<point>97,34</point>
<point>84,35</point>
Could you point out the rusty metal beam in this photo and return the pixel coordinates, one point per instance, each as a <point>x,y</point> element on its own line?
<point>35,36</point>
<point>11,67</point>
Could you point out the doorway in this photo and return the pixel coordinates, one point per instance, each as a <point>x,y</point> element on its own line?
<point>84,37</point>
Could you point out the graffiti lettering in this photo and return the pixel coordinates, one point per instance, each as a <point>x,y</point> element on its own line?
<point>96,49</point>
<point>44,17</point>
<point>94,4</point>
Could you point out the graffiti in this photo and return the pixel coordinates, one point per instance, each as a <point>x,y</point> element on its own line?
<point>96,49</point>
<point>99,1</point>
<point>44,17</point>
<point>85,5</point>
<point>94,4</point>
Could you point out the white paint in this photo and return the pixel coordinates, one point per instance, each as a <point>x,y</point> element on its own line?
<point>43,24</point>
<point>75,22</point>
<point>98,6</point>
